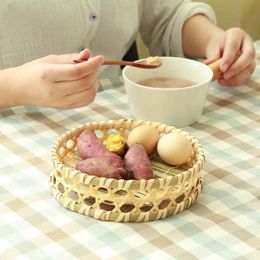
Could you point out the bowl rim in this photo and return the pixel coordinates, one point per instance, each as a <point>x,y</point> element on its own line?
<point>200,84</point>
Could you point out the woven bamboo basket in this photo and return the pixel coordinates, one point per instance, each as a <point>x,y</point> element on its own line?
<point>171,191</point>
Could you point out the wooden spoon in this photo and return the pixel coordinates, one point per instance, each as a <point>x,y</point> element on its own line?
<point>217,73</point>
<point>138,64</point>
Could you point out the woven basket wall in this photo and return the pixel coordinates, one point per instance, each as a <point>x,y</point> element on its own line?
<point>171,191</point>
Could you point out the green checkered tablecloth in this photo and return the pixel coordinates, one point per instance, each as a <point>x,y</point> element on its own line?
<point>224,223</point>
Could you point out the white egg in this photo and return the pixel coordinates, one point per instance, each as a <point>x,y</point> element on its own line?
<point>145,135</point>
<point>174,148</point>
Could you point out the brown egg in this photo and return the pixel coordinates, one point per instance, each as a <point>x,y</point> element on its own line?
<point>145,135</point>
<point>174,148</point>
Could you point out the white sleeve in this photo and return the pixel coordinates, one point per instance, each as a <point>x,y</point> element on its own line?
<point>162,22</point>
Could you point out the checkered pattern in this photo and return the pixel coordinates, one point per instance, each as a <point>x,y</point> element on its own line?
<point>224,223</point>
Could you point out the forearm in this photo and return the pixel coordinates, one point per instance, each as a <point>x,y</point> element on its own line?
<point>8,95</point>
<point>197,32</point>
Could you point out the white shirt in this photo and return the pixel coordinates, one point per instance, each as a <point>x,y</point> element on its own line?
<point>31,29</point>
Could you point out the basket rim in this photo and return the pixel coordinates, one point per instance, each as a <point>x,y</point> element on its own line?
<point>159,182</point>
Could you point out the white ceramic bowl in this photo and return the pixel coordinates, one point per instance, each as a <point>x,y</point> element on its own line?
<point>178,107</point>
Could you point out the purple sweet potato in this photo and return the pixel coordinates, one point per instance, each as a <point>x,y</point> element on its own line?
<point>118,162</point>
<point>137,163</point>
<point>100,167</point>
<point>89,146</point>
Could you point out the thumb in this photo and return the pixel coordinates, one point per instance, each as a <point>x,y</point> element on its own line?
<point>83,55</point>
<point>213,61</point>
<point>212,57</point>
<point>65,58</point>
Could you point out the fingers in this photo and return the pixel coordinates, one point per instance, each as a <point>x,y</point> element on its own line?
<point>210,60</point>
<point>78,71</point>
<point>232,48</point>
<point>71,87</point>
<point>239,78</point>
<point>237,54</point>
<point>213,57</point>
<point>77,93</point>
<point>71,72</point>
<point>81,98</point>
<point>243,61</point>
<point>84,98</point>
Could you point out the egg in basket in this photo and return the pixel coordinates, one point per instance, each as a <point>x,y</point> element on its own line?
<point>126,170</point>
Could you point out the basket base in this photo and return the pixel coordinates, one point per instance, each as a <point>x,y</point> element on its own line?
<point>107,215</point>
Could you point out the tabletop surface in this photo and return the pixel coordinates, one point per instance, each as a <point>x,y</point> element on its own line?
<point>224,222</point>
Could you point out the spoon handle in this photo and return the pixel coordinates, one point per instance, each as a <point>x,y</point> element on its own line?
<point>117,62</point>
<point>217,74</point>
<point>138,64</point>
<point>122,62</point>
<point>109,62</point>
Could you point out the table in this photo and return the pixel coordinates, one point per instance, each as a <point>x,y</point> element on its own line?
<point>224,223</point>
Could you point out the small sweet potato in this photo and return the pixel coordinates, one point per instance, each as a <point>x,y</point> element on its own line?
<point>137,163</point>
<point>100,167</point>
<point>89,146</point>
<point>118,162</point>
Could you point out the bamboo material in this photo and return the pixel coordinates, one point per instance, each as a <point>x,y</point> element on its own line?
<point>171,191</point>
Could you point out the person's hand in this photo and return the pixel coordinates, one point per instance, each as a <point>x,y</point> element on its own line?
<point>55,81</point>
<point>237,53</point>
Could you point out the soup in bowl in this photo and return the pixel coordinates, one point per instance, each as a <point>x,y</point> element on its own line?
<point>174,93</point>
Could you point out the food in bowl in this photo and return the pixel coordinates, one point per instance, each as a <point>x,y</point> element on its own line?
<point>153,60</point>
<point>166,82</point>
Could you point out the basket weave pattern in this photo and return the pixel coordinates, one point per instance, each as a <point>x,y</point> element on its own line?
<point>170,192</point>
